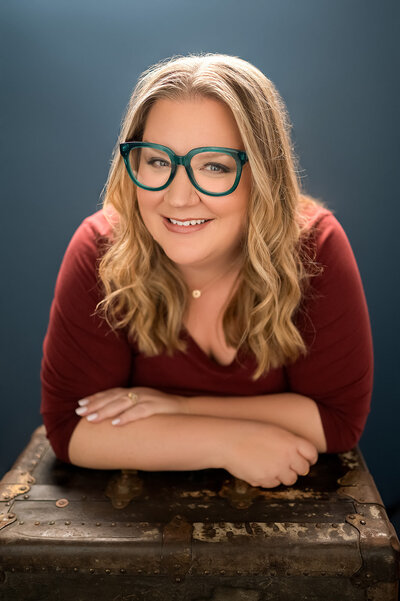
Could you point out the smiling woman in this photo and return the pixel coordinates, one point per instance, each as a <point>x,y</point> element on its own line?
<point>188,124</point>
<point>211,314</point>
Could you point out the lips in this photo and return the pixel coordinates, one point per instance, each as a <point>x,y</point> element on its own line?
<point>188,218</point>
<point>184,229</point>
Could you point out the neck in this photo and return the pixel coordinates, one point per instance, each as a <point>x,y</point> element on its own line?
<point>199,276</point>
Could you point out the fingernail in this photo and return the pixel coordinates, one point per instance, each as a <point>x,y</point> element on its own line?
<point>92,416</point>
<point>80,410</point>
<point>115,421</point>
<point>83,402</point>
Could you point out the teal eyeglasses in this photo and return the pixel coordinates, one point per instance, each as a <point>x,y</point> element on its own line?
<point>212,170</point>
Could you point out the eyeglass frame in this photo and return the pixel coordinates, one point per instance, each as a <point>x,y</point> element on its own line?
<point>239,155</point>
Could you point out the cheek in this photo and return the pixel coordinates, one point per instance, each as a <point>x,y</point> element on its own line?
<point>239,215</point>
<point>146,203</point>
<point>237,207</point>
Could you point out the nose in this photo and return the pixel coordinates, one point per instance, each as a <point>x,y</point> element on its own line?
<point>181,191</point>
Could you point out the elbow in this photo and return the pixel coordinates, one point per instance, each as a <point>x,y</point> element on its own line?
<point>59,430</point>
<point>342,433</point>
<point>344,439</point>
<point>60,448</point>
<point>321,445</point>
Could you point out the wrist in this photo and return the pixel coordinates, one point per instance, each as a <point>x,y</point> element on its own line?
<point>232,433</point>
<point>184,405</point>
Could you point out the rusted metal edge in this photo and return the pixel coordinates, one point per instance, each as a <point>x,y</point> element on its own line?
<point>378,541</point>
<point>358,483</point>
<point>379,546</point>
<point>176,551</point>
<point>19,479</point>
<point>6,519</point>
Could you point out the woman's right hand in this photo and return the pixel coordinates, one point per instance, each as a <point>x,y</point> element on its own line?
<point>267,455</point>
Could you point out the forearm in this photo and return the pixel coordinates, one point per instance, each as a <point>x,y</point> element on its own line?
<point>296,413</point>
<point>159,442</point>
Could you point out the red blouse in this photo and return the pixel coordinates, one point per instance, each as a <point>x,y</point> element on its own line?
<point>82,355</point>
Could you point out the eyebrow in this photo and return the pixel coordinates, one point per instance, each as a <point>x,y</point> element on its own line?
<point>207,146</point>
<point>150,142</point>
<point>145,140</point>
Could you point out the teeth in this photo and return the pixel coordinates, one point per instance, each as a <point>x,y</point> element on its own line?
<point>186,223</point>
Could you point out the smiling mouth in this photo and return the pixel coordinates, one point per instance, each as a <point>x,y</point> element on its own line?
<point>187,222</point>
<point>185,227</point>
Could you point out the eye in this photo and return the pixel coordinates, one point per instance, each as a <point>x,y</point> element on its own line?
<point>161,162</point>
<point>217,168</point>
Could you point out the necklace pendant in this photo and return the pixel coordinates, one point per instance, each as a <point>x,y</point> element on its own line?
<point>196,293</point>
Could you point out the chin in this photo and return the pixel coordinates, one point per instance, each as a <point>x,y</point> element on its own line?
<point>184,258</point>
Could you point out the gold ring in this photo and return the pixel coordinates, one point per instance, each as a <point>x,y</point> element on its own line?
<point>133,397</point>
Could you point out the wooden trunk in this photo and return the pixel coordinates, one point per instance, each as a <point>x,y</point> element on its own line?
<point>70,533</point>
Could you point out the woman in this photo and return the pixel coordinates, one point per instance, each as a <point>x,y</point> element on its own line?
<point>210,315</point>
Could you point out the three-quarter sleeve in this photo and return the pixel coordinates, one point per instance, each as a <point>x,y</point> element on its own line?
<point>81,354</point>
<point>337,373</point>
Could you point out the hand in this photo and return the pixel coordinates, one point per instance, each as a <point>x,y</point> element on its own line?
<point>266,455</point>
<point>128,404</point>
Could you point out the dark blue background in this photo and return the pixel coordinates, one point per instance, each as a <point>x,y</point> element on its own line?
<point>68,68</point>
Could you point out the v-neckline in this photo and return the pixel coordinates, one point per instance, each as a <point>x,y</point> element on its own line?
<point>203,355</point>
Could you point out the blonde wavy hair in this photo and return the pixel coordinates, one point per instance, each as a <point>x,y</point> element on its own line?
<point>144,291</point>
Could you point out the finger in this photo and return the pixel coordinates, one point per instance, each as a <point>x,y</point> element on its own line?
<point>140,411</point>
<point>300,465</point>
<point>275,482</point>
<point>98,400</point>
<point>308,450</point>
<point>103,394</point>
<point>288,477</point>
<point>271,483</point>
<point>111,409</point>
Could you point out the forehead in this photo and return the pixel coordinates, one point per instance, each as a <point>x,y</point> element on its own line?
<point>185,124</point>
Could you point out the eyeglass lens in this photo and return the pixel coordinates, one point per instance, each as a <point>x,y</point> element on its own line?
<point>213,171</point>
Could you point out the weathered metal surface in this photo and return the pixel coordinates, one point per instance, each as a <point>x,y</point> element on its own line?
<point>176,552</point>
<point>14,483</point>
<point>123,487</point>
<point>379,545</point>
<point>359,485</point>
<point>239,493</point>
<point>201,535</point>
<point>294,549</point>
<point>6,518</point>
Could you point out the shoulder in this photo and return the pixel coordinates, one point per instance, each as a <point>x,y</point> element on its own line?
<point>314,215</point>
<point>87,245</point>
<point>336,277</point>
<point>327,255</point>
<point>95,228</point>
<point>326,232</point>
<point>92,237</point>
<point>332,242</point>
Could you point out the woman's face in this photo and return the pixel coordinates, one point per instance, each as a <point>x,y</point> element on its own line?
<point>183,125</point>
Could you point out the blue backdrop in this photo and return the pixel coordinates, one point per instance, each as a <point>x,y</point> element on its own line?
<point>68,68</point>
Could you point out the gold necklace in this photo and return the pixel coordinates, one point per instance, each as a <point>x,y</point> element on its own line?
<point>196,293</point>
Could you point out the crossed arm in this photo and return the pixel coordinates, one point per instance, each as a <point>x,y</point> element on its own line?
<point>294,412</point>
<point>266,440</point>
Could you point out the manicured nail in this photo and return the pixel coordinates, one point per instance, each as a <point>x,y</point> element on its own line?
<point>92,416</point>
<point>81,410</point>
<point>83,402</point>
<point>115,421</point>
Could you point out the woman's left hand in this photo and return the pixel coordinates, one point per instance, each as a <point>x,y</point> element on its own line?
<point>129,404</point>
